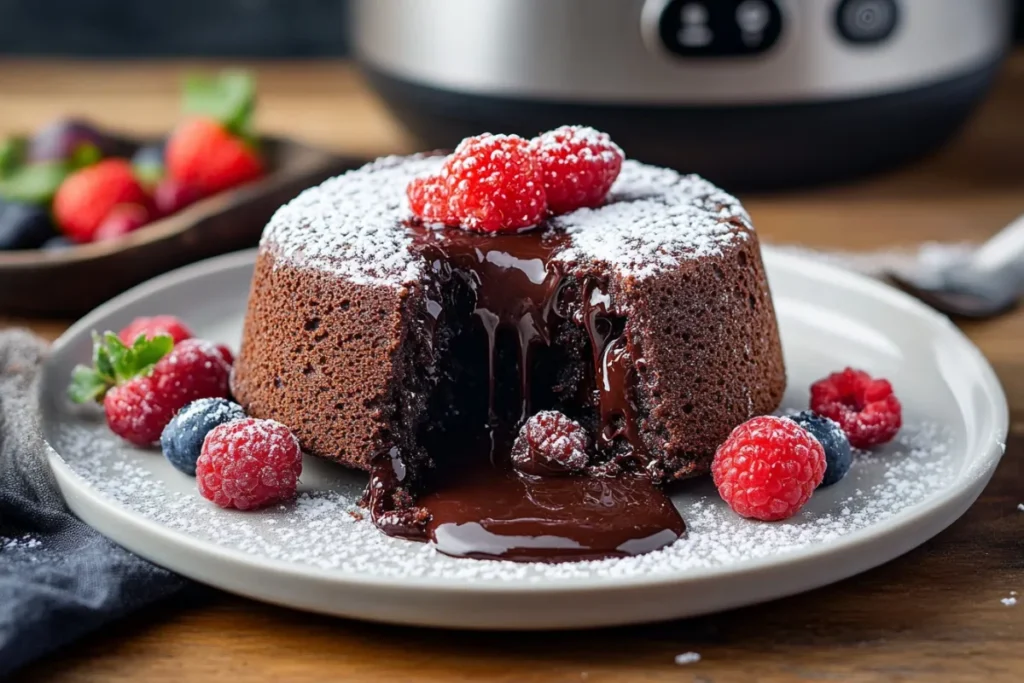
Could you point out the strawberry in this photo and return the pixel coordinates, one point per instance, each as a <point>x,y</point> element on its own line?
<point>87,196</point>
<point>144,385</point>
<point>203,154</point>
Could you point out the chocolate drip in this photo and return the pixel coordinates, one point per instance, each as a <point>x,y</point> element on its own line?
<point>614,373</point>
<point>514,281</point>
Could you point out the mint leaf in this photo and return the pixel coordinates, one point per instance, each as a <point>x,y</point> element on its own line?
<point>86,385</point>
<point>34,183</point>
<point>114,363</point>
<point>229,98</point>
<point>12,154</point>
<point>148,352</point>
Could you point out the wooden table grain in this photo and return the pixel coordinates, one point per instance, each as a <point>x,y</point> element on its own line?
<point>933,615</point>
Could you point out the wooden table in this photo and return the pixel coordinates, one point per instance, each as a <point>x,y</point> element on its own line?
<point>932,615</point>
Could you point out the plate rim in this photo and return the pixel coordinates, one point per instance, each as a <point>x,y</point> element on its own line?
<point>942,502</point>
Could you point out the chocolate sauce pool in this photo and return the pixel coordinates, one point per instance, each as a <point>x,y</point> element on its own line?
<point>474,504</point>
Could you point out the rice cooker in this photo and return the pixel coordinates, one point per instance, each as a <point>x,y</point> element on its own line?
<point>754,94</point>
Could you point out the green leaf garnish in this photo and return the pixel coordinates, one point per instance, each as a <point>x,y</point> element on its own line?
<point>85,155</point>
<point>12,154</point>
<point>116,363</point>
<point>34,183</point>
<point>229,98</point>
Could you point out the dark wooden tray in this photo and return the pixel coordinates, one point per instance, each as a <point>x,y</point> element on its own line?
<point>72,281</point>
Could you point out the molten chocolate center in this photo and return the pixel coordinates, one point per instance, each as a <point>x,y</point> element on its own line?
<point>522,337</point>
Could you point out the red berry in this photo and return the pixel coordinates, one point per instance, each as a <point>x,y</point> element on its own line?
<point>203,154</point>
<point>578,166</point>
<point>494,184</point>
<point>864,407</point>
<point>249,463</point>
<point>151,327</point>
<point>171,196</point>
<point>550,444</point>
<point>86,197</point>
<point>428,198</point>
<point>122,219</point>
<point>768,468</point>
<point>140,408</point>
<point>194,368</point>
<point>226,354</point>
<point>136,413</point>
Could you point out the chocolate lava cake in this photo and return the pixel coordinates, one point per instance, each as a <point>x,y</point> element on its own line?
<point>376,338</point>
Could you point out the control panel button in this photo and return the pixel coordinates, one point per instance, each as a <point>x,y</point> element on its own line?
<point>867,21</point>
<point>719,28</point>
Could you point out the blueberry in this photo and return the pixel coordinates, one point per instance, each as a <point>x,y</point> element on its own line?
<point>148,163</point>
<point>24,226</point>
<point>829,434</point>
<point>182,439</point>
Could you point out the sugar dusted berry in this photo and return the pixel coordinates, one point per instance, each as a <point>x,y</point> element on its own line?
<point>156,325</point>
<point>864,407</point>
<point>247,464</point>
<point>550,444</point>
<point>182,438</point>
<point>832,438</point>
<point>578,166</point>
<point>768,468</point>
<point>494,184</point>
<point>428,198</point>
<point>142,386</point>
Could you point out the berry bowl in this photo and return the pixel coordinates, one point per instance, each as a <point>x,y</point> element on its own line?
<point>73,280</point>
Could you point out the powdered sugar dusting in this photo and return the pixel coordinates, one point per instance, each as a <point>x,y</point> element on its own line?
<point>353,225</point>
<point>325,528</point>
<point>654,217</point>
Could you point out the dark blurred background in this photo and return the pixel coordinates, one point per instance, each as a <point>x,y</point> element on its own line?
<point>111,28</point>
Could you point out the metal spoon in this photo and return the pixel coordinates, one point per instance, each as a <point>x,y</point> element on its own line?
<point>970,283</point>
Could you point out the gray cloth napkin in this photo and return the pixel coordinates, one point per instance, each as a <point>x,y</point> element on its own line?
<point>59,579</point>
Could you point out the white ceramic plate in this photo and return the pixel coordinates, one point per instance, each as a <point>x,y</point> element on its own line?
<point>315,554</point>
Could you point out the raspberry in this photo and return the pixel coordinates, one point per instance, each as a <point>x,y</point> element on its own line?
<point>193,369</point>
<point>249,463</point>
<point>226,354</point>
<point>135,412</point>
<point>182,438</point>
<point>151,327</point>
<point>142,386</point>
<point>428,198</point>
<point>768,468</point>
<point>578,166</point>
<point>494,184</point>
<point>550,444</point>
<point>864,407</point>
<point>832,438</point>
